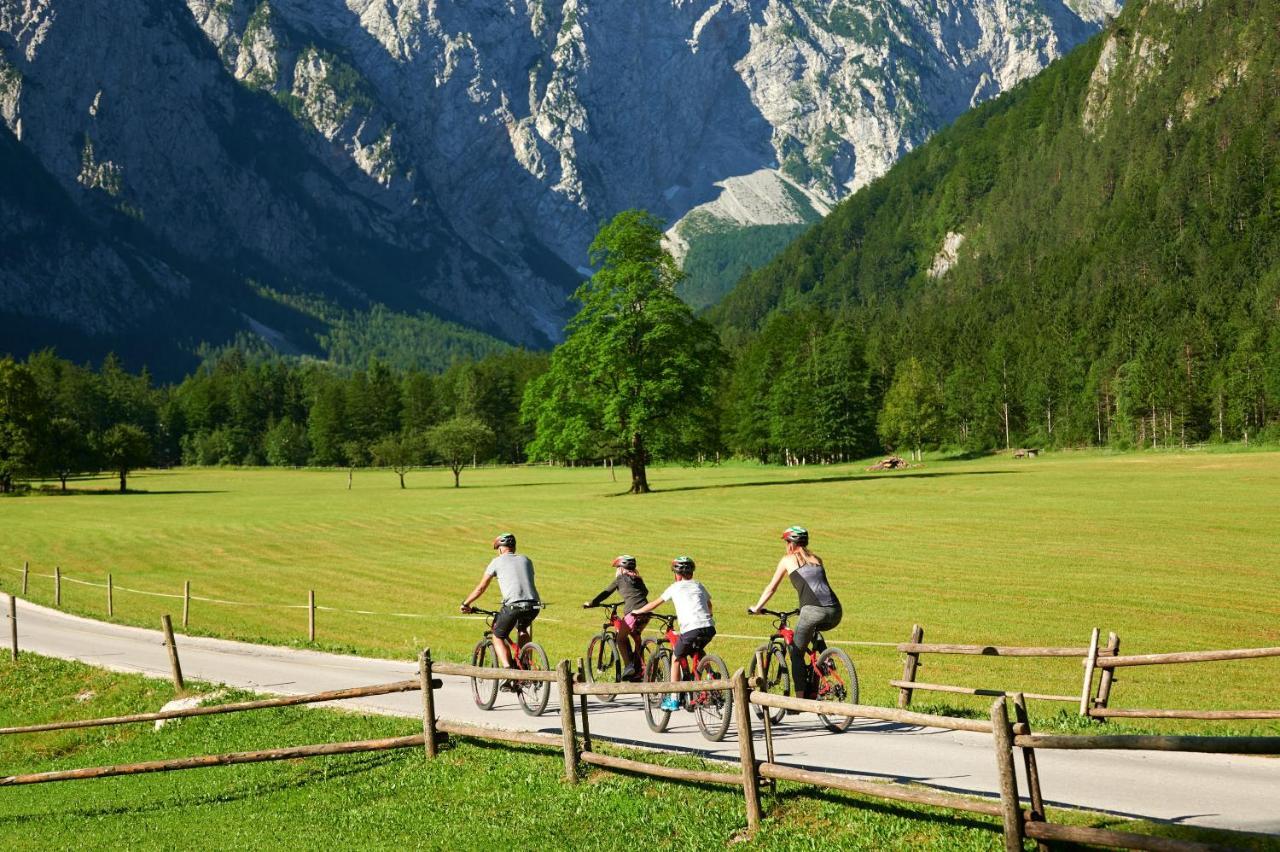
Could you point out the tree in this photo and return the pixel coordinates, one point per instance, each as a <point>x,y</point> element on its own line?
<point>402,453</point>
<point>65,450</point>
<point>123,449</point>
<point>458,441</point>
<point>637,373</point>
<point>912,411</point>
<point>286,444</point>
<point>19,422</point>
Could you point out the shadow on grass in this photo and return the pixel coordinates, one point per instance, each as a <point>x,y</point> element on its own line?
<point>96,492</point>
<point>819,480</point>
<point>800,797</point>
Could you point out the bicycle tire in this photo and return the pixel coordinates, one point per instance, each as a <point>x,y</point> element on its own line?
<point>658,670</point>
<point>483,690</point>
<point>533,694</point>
<point>838,681</point>
<point>777,678</point>
<point>603,664</point>
<point>713,707</point>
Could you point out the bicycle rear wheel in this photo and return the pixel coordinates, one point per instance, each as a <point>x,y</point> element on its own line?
<point>484,691</point>
<point>837,681</point>
<point>713,708</point>
<point>533,694</point>
<point>658,670</point>
<point>603,664</point>
<point>777,678</point>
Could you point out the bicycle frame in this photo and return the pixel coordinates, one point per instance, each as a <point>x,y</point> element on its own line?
<point>688,665</point>
<point>513,648</point>
<point>786,636</point>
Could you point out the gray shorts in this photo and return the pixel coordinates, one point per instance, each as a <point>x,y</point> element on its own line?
<point>815,618</point>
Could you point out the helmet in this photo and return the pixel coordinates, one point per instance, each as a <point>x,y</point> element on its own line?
<point>625,562</point>
<point>683,566</point>
<point>796,535</point>
<point>505,540</point>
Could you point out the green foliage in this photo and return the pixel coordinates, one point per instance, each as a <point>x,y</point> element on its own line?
<point>1117,283</point>
<point>719,256</point>
<point>19,421</point>
<point>912,413</point>
<point>636,375</point>
<point>402,453</point>
<point>124,448</point>
<point>286,444</point>
<point>460,440</point>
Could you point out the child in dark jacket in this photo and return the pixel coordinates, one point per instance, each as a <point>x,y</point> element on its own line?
<point>635,594</point>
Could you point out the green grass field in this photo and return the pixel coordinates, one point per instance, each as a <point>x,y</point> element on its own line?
<point>1172,551</point>
<point>474,795</point>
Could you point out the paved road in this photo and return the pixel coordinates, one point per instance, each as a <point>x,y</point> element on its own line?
<point>1211,790</point>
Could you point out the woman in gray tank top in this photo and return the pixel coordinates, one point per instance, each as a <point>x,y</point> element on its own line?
<point>819,606</point>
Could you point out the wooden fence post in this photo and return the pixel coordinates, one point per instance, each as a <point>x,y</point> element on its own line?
<point>1090,662</point>
<point>111,606</point>
<point>428,700</point>
<point>565,680</point>
<point>167,624</point>
<point>1029,764</point>
<point>311,615</point>
<point>57,586</point>
<point>581,677</point>
<point>1011,811</point>
<point>13,628</point>
<point>186,603</point>
<point>1108,674</point>
<point>26,572</point>
<point>909,667</point>
<point>746,749</point>
<point>767,717</point>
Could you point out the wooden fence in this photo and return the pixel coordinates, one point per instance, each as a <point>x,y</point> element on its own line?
<point>1098,708</point>
<point>1011,736</point>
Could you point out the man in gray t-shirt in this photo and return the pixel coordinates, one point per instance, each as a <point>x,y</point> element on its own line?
<point>520,601</point>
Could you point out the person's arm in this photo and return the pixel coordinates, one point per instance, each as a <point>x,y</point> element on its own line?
<point>647,608</point>
<point>476,592</point>
<point>771,588</point>
<point>608,590</point>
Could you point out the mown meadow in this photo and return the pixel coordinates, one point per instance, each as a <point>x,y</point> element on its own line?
<point>1171,551</point>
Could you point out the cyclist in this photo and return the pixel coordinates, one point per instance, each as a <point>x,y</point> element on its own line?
<point>635,594</point>
<point>520,601</point>
<point>693,610</point>
<point>819,606</point>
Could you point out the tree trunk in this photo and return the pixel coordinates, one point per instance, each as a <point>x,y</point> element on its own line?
<point>402,480</point>
<point>639,477</point>
<point>350,472</point>
<point>63,477</point>
<point>1006,425</point>
<point>457,473</point>
<point>123,474</point>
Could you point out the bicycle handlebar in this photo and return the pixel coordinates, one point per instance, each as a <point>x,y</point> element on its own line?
<point>773,612</point>
<point>612,606</point>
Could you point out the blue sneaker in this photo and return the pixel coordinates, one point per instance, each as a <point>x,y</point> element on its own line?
<point>670,703</point>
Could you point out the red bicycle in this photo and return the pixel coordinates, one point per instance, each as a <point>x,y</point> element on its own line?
<point>711,708</point>
<point>604,659</point>
<point>831,673</point>
<point>533,695</point>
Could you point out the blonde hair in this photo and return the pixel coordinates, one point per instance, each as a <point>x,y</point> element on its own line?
<point>801,551</point>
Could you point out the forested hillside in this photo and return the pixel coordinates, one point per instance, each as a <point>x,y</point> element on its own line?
<point>1091,258</point>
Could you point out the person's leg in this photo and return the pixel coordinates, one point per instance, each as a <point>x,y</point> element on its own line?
<point>502,625</point>
<point>624,649</point>
<point>806,627</point>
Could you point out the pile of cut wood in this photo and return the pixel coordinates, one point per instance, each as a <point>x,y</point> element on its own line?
<point>890,463</point>
<point>1026,452</point>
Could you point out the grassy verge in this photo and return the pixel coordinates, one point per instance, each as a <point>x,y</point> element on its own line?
<point>475,795</point>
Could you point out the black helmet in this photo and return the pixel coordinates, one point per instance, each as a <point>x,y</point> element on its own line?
<point>625,562</point>
<point>683,566</point>
<point>796,535</point>
<point>505,540</point>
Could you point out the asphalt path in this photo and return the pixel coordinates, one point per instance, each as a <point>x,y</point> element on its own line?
<point>1211,790</point>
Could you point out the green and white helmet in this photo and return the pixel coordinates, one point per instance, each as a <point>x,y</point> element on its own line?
<point>683,565</point>
<point>796,535</point>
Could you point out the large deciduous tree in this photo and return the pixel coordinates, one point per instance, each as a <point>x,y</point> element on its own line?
<point>912,411</point>
<point>124,448</point>
<point>636,375</point>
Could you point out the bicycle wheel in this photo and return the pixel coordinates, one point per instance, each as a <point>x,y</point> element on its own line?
<point>777,678</point>
<point>658,670</point>
<point>714,707</point>
<point>533,694</point>
<point>603,664</point>
<point>484,691</point>
<point>837,681</point>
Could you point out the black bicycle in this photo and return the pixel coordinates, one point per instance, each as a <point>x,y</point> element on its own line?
<point>604,659</point>
<point>831,672</point>
<point>532,694</point>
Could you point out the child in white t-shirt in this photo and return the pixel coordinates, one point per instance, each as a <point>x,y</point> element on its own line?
<point>693,609</point>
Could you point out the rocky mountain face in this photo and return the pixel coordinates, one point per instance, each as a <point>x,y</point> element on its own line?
<point>453,158</point>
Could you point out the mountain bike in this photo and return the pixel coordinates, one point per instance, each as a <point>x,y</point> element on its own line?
<point>533,695</point>
<point>711,708</point>
<point>832,675</point>
<point>603,663</point>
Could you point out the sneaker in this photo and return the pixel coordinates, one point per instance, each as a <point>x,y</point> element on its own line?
<point>670,703</point>
<point>630,674</point>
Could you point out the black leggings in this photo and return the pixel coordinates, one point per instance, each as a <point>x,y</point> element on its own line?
<point>811,620</point>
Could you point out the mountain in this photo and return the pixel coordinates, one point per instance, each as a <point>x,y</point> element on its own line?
<point>287,168</point>
<point>1093,257</point>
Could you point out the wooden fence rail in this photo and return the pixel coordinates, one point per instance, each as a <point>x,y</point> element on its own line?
<point>1098,709</point>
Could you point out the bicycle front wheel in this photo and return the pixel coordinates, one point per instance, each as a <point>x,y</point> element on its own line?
<point>658,670</point>
<point>713,707</point>
<point>533,694</point>
<point>777,678</point>
<point>483,690</point>
<point>603,663</point>
<point>837,681</point>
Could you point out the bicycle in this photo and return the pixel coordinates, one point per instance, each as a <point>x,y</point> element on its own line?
<point>533,695</point>
<point>711,708</point>
<point>832,674</point>
<point>604,660</point>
